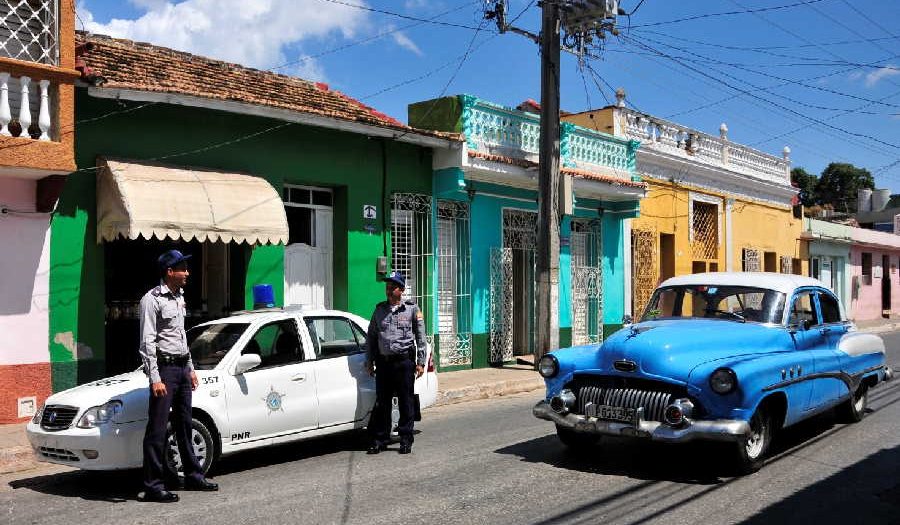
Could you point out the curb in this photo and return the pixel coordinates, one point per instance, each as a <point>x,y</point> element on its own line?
<point>488,390</point>
<point>16,459</point>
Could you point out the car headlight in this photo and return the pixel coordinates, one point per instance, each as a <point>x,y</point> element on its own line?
<point>99,415</point>
<point>723,381</point>
<point>548,366</point>
<point>38,415</point>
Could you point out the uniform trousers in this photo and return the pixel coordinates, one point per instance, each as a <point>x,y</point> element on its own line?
<point>157,471</point>
<point>393,377</point>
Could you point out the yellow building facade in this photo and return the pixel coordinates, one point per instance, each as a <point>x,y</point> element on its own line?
<point>711,205</point>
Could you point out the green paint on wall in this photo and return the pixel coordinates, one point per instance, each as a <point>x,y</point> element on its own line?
<point>266,267</point>
<point>610,329</point>
<point>565,337</point>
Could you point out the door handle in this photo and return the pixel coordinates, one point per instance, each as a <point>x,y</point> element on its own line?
<point>299,378</point>
<point>825,330</point>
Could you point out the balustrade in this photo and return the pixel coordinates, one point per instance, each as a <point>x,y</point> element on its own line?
<point>516,134</point>
<point>18,95</point>
<point>672,138</point>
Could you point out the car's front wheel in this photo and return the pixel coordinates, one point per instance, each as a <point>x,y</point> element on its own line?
<point>576,440</point>
<point>202,443</point>
<point>751,450</point>
<point>854,409</point>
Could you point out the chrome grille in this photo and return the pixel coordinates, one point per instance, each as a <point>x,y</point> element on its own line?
<point>58,417</point>
<point>654,403</point>
<point>58,453</point>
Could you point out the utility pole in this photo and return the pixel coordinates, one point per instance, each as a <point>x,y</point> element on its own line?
<point>547,257</point>
<point>585,23</point>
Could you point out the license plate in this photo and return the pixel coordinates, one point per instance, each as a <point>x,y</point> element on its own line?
<point>610,412</point>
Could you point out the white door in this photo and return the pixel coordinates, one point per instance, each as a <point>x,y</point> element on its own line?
<point>346,392</point>
<point>826,273</point>
<point>307,269</point>
<point>277,398</point>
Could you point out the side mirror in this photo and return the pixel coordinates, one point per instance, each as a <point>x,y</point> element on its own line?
<point>247,362</point>
<point>627,319</point>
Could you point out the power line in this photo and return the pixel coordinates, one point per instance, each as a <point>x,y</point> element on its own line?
<point>786,80</point>
<point>780,106</point>
<point>400,15</point>
<point>374,37</point>
<point>728,13</point>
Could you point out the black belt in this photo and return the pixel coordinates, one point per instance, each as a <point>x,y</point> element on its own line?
<point>393,358</point>
<point>169,359</point>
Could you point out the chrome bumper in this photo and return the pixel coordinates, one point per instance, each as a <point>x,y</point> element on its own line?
<point>719,430</point>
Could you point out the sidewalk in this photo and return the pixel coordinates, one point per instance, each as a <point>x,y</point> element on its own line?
<point>455,387</point>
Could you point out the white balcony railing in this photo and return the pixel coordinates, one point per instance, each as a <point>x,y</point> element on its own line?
<point>497,130</point>
<point>20,97</point>
<point>669,137</point>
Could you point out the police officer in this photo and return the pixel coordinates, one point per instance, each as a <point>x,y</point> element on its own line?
<point>396,349</point>
<point>167,363</point>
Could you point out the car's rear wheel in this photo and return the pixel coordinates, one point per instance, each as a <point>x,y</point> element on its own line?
<point>854,409</point>
<point>576,440</point>
<point>202,443</point>
<point>751,450</point>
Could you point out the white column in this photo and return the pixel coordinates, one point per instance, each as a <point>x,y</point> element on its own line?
<point>5,115</point>
<point>626,256</point>
<point>729,238</point>
<point>25,108</point>
<point>44,115</point>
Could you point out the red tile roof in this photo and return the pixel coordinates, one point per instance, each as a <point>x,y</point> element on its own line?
<point>118,63</point>
<point>581,174</point>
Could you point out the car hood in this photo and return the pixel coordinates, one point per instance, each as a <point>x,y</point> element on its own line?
<point>131,388</point>
<point>672,348</point>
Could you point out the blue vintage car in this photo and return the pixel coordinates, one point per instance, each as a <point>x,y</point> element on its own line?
<point>729,357</point>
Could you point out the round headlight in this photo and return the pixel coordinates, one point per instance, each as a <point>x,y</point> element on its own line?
<point>548,366</point>
<point>723,381</point>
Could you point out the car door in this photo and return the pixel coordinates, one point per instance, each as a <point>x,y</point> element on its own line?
<point>278,397</point>
<point>803,318</point>
<point>828,387</point>
<point>346,391</point>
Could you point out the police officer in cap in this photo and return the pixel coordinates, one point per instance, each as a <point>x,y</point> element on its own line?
<point>396,350</point>
<point>167,363</point>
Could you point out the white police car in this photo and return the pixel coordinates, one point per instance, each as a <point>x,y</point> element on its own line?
<point>266,377</point>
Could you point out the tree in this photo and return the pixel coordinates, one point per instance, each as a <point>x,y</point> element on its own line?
<point>806,183</point>
<point>839,183</point>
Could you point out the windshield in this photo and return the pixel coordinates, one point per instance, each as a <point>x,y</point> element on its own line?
<point>210,343</point>
<point>735,303</point>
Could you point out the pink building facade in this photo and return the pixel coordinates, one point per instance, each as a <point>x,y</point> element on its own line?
<point>875,280</point>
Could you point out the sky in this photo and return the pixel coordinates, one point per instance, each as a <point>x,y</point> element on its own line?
<point>819,76</point>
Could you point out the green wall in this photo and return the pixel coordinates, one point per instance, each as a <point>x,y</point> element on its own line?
<point>351,164</point>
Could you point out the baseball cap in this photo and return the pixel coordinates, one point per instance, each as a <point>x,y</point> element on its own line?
<point>398,278</point>
<point>171,258</point>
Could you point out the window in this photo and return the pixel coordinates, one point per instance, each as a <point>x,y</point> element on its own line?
<point>335,336</point>
<point>734,303</point>
<point>814,268</point>
<point>210,343</point>
<point>750,260</point>
<point>803,310</point>
<point>308,212</point>
<point>787,264</point>
<point>705,230</point>
<point>28,30</point>
<point>831,311</point>
<point>276,344</point>
<point>866,268</point>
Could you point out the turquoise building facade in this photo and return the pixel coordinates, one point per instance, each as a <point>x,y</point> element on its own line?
<point>484,216</point>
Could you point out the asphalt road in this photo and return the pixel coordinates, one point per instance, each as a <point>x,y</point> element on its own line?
<point>492,462</point>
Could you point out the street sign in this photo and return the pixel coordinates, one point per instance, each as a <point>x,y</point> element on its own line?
<point>369,211</point>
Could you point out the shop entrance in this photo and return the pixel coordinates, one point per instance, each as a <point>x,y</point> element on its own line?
<point>214,289</point>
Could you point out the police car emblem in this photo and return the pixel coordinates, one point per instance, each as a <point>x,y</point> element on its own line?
<point>273,400</point>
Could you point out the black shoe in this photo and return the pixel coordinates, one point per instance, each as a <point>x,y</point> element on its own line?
<point>204,485</point>
<point>375,448</point>
<point>174,484</point>
<point>163,496</point>
<point>405,448</point>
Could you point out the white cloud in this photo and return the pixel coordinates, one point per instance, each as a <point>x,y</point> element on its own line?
<point>880,73</point>
<point>404,41</point>
<point>253,33</point>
